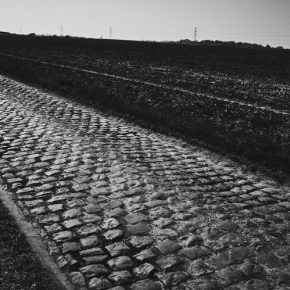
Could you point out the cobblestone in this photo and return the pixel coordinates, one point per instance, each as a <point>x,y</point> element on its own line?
<point>92,251</point>
<point>121,277</point>
<point>121,263</point>
<point>99,283</point>
<point>117,249</point>
<point>90,241</point>
<point>143,270</point>
<point>122,207</point>
<point>94,270</point>
<point>78,279</point>
<point>167,247</point>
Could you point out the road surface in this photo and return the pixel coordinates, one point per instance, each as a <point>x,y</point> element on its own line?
<point>122,207</point>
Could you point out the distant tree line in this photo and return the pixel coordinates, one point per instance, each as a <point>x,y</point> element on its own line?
<point>226,43</point>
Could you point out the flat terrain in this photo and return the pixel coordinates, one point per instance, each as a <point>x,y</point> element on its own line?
<point>257,76</point>
<point>123,206</point>
<point>234,99</point>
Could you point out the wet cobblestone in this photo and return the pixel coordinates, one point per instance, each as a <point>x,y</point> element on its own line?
<point>122,207</point>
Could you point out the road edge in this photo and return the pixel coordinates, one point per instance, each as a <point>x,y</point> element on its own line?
<point>37,244</point>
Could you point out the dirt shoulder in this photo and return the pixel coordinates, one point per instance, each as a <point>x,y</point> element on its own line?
<point>19,266</point>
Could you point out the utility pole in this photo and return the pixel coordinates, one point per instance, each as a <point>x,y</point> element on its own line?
<point>61,30</point>
<point>195,34</point>
<point>20,29</point>
<point>111,32</point>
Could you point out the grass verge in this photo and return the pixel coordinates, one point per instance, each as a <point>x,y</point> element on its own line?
<point>19,265</point>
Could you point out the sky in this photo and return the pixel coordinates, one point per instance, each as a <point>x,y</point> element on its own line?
<point>254,21</point>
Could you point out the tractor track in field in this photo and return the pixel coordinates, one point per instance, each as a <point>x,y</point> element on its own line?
<point>152,84</point>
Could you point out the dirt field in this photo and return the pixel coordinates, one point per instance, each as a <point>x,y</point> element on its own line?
<point>235,99</point>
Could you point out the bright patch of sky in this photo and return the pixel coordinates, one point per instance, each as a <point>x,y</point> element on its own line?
<point>255,21</point>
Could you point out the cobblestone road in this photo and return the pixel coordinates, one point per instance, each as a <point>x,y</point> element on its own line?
<point>122,207</point>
